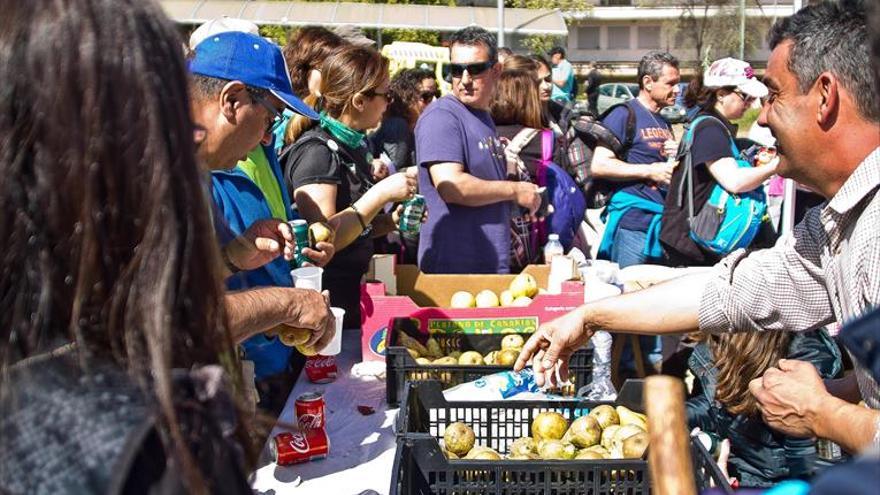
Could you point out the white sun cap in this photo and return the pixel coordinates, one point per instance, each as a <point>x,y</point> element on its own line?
<point>732,72</point>
<point>221,25</point>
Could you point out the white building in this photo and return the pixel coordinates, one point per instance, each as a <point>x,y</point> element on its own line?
<point>616,33</point>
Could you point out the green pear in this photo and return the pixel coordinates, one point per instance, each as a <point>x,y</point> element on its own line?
<point>549,425</point>
<point>459,438</point>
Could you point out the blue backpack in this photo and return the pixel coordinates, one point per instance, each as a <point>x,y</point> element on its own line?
<point>569,203</point>
<point>727,221</point>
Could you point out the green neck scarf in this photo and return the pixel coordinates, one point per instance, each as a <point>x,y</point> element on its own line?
<point>349,137</point>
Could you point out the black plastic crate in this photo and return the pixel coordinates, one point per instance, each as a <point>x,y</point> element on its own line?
<point>421,468</point>
<point>402,368</point>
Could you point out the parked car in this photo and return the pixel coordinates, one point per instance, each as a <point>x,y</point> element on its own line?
<point>611,94</point>
<point>674,114</point>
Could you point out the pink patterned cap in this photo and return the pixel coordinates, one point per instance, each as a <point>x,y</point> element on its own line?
<point>733,72</point>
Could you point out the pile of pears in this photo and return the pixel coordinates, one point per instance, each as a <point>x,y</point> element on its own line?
<point>431,354</point>
<point>605,433</point>
<point>520,293</point>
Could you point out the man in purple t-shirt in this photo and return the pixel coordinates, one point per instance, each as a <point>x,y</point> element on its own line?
<point>463,174</point>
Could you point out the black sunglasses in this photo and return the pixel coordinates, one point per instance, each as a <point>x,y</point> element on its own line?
<point>429,96</point>
<point>474,70</point>
<point>388,96</point>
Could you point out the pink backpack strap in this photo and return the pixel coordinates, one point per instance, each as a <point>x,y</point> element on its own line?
<point>547,145</point>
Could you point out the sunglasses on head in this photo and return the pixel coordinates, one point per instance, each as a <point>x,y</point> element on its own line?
<point>473,70</point>
<point>429,96</point>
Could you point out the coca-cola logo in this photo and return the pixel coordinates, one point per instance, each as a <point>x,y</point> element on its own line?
<point>309,420</point>
<point>299,443</point>
<point>321,362</point>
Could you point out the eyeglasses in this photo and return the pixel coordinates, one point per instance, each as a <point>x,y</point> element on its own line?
<point>277,116</point>
<point>474,70</point>
<point>748,100</point>
<point>429,96</point>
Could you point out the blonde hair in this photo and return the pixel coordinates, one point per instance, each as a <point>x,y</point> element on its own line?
<point>517,100</point>
<point>347,72</point>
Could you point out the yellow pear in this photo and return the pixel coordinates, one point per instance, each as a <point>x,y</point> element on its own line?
<point>608,436</point>
<point>486,299</point>
<point>634,447</point>
<point>512,341</point>
<point>319,232</point>
<point>605,415</point>
<point>588,455</point>
<point>307,350</point>
<point>471,358</point>
<point>630,417</point>
<point>458,438</point>
<point>507,357</point>
<point>524,285</point>
<point>506,298</point>
<point>549,425</point>
<point>463,299</point>
<point>491,358</point>
<point>293,337</point>
<point>522,301</point>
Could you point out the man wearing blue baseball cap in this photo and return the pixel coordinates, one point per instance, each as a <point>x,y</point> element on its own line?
<point>239,88</point>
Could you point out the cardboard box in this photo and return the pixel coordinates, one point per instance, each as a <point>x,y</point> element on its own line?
<point>423,296</point>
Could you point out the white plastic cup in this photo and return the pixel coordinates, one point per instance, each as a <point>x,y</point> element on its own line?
<point>335,345</point>
<point>307,277</point>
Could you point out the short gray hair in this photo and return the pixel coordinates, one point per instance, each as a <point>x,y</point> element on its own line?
<point>652,65</point>
<point>833,37</point>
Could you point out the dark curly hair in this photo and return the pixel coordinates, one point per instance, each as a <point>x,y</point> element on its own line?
<point>405,88</point>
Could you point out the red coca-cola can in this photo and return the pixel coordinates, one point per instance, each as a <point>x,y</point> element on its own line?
<point>309,409</point>
<point>300,446</point>
<point>321,369</point>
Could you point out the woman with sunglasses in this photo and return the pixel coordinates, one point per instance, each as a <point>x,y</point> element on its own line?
<point>724,92</point>
<point>328,170</point>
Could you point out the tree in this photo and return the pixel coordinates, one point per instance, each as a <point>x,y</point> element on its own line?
<point>711,27</point>
<point>541,43</point>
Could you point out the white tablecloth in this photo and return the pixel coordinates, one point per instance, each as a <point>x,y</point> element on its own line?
<point>361,447</point>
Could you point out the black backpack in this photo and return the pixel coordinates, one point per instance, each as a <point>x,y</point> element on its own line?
<point>584,135</point>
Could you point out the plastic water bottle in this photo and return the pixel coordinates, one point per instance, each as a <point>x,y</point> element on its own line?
<point>552,248</point>
<point>600,386</point>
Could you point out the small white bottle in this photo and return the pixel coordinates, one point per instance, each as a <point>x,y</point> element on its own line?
<point>552,248</point>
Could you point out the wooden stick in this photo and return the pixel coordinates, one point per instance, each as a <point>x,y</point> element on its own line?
<point>669,454</point>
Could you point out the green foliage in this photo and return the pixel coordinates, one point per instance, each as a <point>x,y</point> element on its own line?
<point>745,122</point>
<point>542,43</point>
<point>278,34</point>
<point>416,35</point>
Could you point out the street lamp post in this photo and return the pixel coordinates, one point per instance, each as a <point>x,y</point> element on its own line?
<point>500,23</point>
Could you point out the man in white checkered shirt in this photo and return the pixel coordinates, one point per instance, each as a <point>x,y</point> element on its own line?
<point>824,110</point>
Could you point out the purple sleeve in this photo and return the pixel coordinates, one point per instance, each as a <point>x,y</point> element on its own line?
<point>439,139</point>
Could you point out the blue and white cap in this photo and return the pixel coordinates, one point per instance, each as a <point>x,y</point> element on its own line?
<point>248,58</point>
